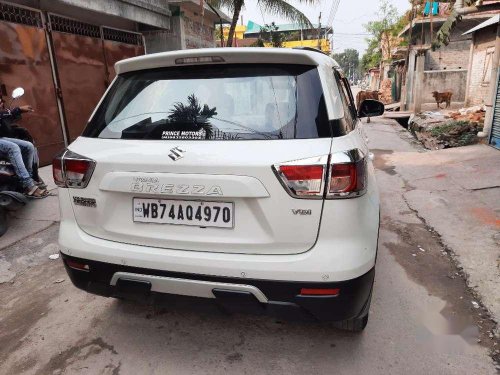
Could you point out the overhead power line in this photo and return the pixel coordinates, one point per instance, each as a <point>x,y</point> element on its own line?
<point>333,12</point>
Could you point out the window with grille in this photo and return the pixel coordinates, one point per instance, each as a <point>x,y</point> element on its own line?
<point>68,25</point>
<point>20,15</point>
<point>122,36</point>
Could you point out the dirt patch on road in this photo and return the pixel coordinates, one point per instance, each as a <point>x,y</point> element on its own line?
<point>21,314</point>
<point>428,262</point>
<point>76,356</point>
<point>380,163</point>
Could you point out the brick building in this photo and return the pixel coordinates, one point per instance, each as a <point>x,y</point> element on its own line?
<point>445,69</point>
<point>481,62</point>
<point>191,27</point>
<point>484,80</point>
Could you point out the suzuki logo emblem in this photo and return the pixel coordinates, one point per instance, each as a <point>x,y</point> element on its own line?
<point>176,153</point>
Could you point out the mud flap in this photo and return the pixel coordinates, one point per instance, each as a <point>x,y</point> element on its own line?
<point>4,222</point>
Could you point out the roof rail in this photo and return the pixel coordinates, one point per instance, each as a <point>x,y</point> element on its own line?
<point>312,49</point>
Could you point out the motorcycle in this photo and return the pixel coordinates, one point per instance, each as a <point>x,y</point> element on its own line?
<point>11,191</point>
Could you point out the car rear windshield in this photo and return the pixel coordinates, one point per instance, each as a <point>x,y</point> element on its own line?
<point>216,102</point>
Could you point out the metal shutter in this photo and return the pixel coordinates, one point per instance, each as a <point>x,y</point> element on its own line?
<point>495,128</point>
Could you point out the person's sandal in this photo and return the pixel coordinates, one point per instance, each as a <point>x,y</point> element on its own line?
<point>36,193</point>
<point>41,184</point>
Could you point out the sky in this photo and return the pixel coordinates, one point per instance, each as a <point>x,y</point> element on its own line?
<point>347,24</point>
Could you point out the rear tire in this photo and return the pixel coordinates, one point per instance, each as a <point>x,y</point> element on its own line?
<point>353,325</point>
<point>4,222</point>
<point>357,324</point>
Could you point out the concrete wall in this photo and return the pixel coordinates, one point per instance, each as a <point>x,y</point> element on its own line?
<point>150,12</point>
<point>196,33</point>
<point>120,14</point>
<point>410,77</point>
<point>186,31</point>
<point>444,80</point>
<point>165,40</point>
<point>453,56</point>
<point>480,77</point>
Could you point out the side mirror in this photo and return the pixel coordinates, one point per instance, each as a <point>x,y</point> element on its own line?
<point>371,108</point>
<point>17,93</point>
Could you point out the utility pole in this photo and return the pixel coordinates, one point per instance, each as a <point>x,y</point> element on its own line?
<point>319,31</point>
<point>408,84</point>
<point>431,16</point>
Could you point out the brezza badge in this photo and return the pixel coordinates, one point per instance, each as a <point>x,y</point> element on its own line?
<point>173,189</point>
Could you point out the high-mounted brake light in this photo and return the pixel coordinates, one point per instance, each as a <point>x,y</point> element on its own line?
<point>72,170</point>
<point>335,176</point>
<point>199,60</point>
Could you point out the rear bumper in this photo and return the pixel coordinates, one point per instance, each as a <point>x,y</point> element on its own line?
<point>280,299</point>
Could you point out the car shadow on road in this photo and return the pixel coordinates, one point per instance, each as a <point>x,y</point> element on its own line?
<point>191,325</point>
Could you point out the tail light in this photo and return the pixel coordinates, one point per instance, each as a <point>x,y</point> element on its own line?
<point>72,170</point>
<point>303,178</point>
<point>336,176</point>
<point>347,177</point>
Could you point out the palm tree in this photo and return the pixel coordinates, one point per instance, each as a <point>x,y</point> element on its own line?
<point>193,116</point>
<point>280,8</point>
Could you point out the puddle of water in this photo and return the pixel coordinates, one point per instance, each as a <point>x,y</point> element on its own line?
<point>440,320</point>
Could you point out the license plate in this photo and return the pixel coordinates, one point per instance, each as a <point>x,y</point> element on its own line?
<point>182,212</point>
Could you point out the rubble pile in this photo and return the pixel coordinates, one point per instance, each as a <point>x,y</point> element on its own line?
<point>437,130</point>
<point>473,114</point>
<point>386,91</point>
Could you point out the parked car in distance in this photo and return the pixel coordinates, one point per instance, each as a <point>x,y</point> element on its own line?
<point>238,175</point>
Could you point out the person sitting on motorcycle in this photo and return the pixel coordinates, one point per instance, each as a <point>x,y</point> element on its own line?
<point>21,154</point>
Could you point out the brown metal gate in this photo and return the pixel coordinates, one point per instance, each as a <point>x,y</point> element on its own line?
<point>119,45</point>
<point>82,68</point>
<point>85,55</point>
<point>25,62</point>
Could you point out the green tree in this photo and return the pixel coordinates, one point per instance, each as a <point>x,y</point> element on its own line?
<point>269,34</point>
<point>280,8</point>
<point>372,56</point>
<point>383,30</point>
<point>348,61</point>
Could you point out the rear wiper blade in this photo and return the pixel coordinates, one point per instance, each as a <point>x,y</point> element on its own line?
<point>253,131</point>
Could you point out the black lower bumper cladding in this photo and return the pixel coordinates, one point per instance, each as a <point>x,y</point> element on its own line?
<point>284,297</point>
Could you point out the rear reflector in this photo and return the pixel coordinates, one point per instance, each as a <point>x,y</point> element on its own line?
<point>319,292</point>
<point>77,265</point>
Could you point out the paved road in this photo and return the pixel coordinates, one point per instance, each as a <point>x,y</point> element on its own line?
<point>422,320</point>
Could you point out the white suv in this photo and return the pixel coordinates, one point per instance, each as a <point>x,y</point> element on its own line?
<point>240,175</point>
